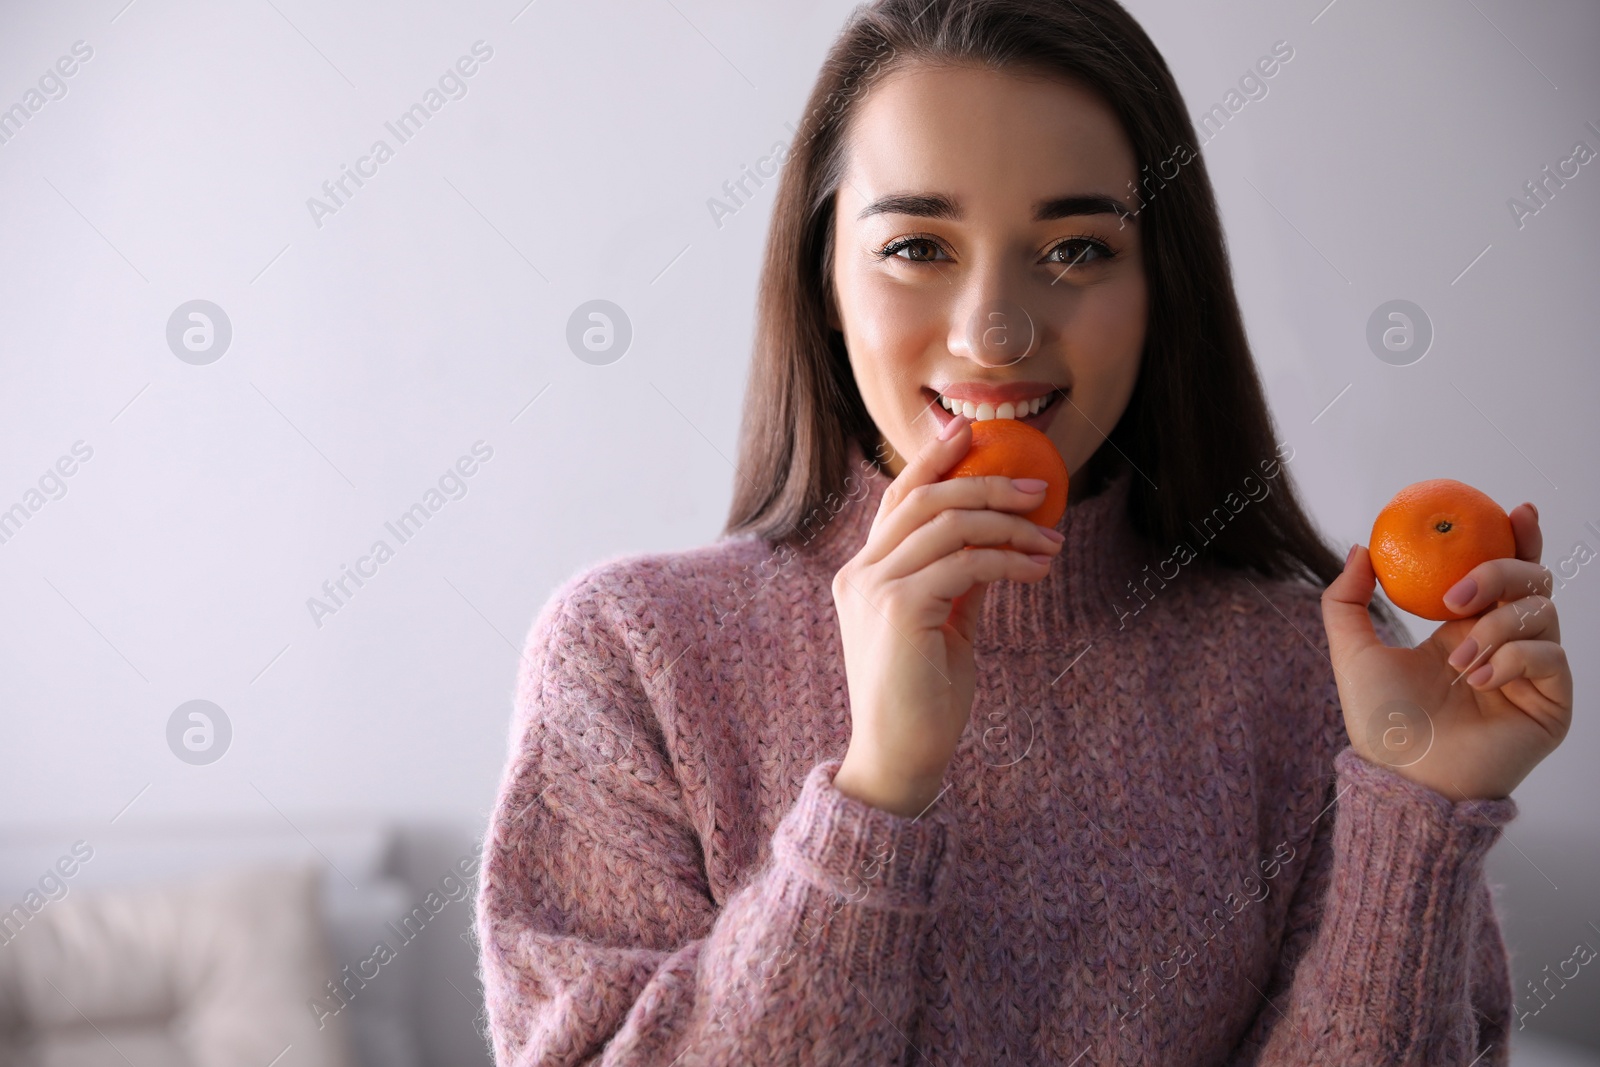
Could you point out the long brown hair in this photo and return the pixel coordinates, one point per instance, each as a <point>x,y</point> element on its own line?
<point>1197,420</point>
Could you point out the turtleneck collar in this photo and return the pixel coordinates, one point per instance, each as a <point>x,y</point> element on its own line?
<point>1087,588</point>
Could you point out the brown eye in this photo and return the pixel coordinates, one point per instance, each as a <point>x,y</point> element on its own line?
<point>922,249</point>
<point>1079,251</point>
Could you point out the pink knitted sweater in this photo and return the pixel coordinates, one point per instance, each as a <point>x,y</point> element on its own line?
<point>1155,846</point>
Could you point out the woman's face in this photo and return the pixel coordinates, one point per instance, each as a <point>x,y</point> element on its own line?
<point>984,251</point>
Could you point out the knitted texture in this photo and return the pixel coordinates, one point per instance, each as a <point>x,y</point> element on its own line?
<point>1154,846</point>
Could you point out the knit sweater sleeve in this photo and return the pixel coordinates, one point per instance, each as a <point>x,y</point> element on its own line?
<point>1392,953</point>
<point>602,941</point>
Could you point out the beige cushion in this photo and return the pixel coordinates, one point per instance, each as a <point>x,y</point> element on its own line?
<point>213,971</point>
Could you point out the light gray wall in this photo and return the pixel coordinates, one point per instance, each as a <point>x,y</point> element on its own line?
<point>374,346</point>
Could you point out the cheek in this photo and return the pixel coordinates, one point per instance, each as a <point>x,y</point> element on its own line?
<point>887,324</point>
<point>1107,340</point>
<point>1103,339</point>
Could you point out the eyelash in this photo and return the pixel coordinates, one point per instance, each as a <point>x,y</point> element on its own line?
<point>1105,252</point>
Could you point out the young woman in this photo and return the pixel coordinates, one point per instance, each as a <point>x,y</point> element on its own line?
<point>890,774</point>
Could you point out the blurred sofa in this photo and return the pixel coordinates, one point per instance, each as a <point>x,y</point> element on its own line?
<point>201,944</point>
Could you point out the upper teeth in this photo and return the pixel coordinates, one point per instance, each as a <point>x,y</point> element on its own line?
<point>981,412</point>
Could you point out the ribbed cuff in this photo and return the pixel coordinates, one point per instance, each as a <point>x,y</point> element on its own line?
<point>866,854</point>
<point>1385,789</point>
<point>1402,910</point>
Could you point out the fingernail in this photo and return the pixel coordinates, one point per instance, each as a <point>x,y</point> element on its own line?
<point>1350,555</point>
<point>1461,594</point>
<point>952,427</point>
<point>1051,532</point>
<point>1481,675</point>
<point>1039,557</point>
<point>1464,653</point>
<point>1535,510</point>
<point>1030,485</point>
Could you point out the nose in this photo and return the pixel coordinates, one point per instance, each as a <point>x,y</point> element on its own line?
<point>992,328</point>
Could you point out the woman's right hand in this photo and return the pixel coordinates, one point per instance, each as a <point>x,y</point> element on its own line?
<point>908,604</point>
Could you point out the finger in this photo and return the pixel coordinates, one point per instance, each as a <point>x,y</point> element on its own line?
<point>953,529</point>
<point>990,492</point>
<point>938,585</point>
<point>926,467</point>
<point>964,617</point>
<point>1498,581</point>
<point>1344,607</point>
<point>1528,619</point>
<point>1544,663</point>
<point>1525,528</point>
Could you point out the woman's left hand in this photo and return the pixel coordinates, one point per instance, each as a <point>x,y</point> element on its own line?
<point>1473,709</point>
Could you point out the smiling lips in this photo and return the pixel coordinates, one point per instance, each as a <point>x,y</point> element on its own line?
<point>1031,403</point>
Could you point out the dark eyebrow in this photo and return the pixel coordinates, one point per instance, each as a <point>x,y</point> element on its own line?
<point>939,206</point>
<point>1091,204</point>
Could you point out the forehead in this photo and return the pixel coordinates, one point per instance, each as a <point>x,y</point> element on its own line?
<point>988,137</point>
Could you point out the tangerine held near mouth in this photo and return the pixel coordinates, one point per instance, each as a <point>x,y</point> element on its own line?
<point>1430,536</point>
<point>1016,450</point>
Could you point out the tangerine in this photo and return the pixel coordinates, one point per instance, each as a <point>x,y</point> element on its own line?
<point>1429,536</point>
<point>1017,450</point>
